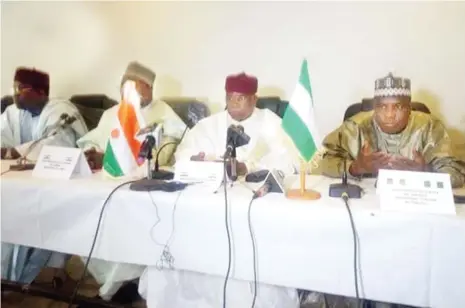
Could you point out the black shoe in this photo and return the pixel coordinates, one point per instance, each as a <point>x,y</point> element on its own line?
<point>127,294</point>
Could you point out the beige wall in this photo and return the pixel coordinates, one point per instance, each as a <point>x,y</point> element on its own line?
<point>193,46</point>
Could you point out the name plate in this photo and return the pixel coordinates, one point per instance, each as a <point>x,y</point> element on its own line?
<point>420,192</point>
<point>61,163</point>
<point>206,172</point>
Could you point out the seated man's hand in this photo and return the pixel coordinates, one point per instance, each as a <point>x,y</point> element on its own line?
<point>94,159</point>
<point>418,163</point>
<point>241,168</point>
<point>198,157</point>
<point>369,162</point>
<point>13,154</point>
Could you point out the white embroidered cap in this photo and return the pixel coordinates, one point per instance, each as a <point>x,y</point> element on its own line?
<point>392,86</point>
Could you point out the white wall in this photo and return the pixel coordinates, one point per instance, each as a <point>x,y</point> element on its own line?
<point>194,45</point>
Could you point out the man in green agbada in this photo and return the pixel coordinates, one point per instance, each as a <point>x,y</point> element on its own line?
<point>392,136</point>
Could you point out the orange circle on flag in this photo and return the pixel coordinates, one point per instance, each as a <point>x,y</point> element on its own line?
<point>115,133</point>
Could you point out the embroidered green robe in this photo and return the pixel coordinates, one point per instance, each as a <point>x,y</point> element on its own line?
<point>424,133</point>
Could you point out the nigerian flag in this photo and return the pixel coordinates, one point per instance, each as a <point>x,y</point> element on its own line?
<point>299,118</point>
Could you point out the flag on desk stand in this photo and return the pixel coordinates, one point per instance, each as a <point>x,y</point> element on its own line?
<point>299,122</point>
<point>121,153</point>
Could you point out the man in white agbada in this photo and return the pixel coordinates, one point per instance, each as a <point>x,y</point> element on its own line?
<point>33,116</point>
<point>109,274</point>
<point>267,149</point>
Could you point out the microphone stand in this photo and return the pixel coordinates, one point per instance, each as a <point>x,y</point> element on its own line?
<point>340,189</point>
<point>22,164</point>
<point>233,165</point>
<point>162,174</point>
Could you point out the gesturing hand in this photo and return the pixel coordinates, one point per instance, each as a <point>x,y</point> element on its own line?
<point>198,157</point>
<point>418,162</point>
<point>368,162</point>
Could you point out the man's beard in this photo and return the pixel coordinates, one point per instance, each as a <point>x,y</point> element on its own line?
<point>35,104</point>
<point>145,103</point>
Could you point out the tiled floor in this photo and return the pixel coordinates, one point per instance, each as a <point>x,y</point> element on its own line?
<point>73,271</point>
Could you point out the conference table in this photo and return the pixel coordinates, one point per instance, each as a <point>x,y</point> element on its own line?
<point>412,259</point>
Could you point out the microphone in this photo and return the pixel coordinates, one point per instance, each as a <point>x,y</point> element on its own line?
<point>274,183</point>
<point>196,111</point>
<point>344,189</point>
<point>145,151</point>
<point>235,137</point>
<point>60,125</point>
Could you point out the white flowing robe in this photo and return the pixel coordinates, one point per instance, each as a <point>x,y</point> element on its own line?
<point>112,275</point>
<point>268,148</point>
<point>155,112</point>
<point>15,122</point>
<point>19,127</point>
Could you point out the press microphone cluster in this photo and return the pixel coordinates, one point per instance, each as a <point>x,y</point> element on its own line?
<point>235,137</point>
<point>65,121</point>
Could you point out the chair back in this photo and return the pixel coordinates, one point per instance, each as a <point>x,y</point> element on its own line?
<point>92,107</point>
<point>273,103</point>
<point>7,100</point>
<point>188,109</point>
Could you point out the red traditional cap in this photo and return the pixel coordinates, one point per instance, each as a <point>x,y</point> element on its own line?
<point>241,83</point>
<point>36,79</point>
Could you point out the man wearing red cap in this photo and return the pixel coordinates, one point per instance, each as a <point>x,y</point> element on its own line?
<point>267,147</point>
<point>31,117</point>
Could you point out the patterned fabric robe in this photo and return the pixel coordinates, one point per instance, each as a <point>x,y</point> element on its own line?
<point>424,133</point>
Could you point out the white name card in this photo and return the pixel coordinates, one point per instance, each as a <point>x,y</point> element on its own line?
<point>207,172</point>
<point>61,163</point>
<point>420,192</point>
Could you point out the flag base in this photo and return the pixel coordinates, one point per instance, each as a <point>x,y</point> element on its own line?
<point>307,194</point>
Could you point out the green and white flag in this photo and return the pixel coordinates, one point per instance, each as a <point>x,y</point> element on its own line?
<point>299,118</point>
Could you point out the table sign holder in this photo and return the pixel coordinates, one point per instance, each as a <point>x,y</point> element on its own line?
<point>415,192</point>
<point>61,163</point>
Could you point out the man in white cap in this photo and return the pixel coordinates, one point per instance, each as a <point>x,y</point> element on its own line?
<point>153,111</point>
<point>392,136</point>
<point>112,276</point>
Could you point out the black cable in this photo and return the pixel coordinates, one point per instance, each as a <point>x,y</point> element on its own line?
<point>345,197</point>
<point>226,217</point>
<point>73,297</point>
<point>5,172</point>
<point>252,237</point>
<point>157,166</point>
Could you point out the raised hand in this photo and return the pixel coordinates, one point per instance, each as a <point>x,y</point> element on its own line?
<point>369,162</point>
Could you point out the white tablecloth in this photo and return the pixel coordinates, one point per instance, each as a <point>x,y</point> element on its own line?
<point>405,258</point>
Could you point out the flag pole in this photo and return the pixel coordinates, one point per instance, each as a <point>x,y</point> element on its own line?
<point>303,172</point>
<point>302,193</point>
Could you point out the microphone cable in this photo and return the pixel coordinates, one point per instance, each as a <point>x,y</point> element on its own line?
<point>4,172</point>
<point>254,248</point>
<point>97,229</point>
<point>345,198</point>
<point>157,164</point>
<point>226,219</point>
